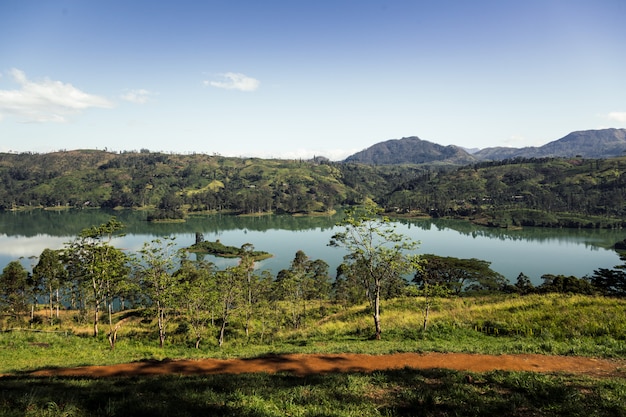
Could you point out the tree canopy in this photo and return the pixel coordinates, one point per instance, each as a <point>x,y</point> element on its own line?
<point>377,254</point>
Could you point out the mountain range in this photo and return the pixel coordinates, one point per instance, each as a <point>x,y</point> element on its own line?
<point>603,143</point>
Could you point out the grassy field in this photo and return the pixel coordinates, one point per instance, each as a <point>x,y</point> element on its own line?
<point>547,324</point>
<point>390,393</point>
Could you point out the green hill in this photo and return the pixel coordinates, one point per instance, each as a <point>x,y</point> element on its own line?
<point>574,192</point>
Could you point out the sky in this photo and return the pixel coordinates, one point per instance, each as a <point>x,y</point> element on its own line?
<point>299,78</point>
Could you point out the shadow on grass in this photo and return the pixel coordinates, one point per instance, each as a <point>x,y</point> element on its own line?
<point>392,393</point>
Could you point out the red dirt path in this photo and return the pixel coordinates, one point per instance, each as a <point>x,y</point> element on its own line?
<point>300,364</point>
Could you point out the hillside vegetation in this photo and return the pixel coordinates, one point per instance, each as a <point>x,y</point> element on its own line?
<point>573,192</point>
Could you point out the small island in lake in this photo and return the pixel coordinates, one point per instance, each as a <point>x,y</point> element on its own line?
<point>218,249</point>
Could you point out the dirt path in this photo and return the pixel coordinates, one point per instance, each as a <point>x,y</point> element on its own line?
<point>319,363</point>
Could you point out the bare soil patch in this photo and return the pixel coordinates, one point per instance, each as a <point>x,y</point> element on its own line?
<point>306,364</point>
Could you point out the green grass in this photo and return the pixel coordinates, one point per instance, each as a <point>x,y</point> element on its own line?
<point>547,324</point>
<point>391,393</point>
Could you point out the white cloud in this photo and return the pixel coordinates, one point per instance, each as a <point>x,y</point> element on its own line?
<point>617,116</point>
<point>137,96</point>
<point>235,81</point>
<point>46,100</point>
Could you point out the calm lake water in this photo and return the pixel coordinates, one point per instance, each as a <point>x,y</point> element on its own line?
<point>533,251</point>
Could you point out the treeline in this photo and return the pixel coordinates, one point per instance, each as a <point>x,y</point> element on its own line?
<point>95,279</point>
<point>547,192</point>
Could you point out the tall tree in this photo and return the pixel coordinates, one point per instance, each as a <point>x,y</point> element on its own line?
<point>523,284</point>
<point>14,290</point>
<point>305,280</point>
<point>153,269</point>
<point>347,288</point>
<point>230,292</point>
<point>246,263</point>
<point>196,294</point>
<point>50,273</point>
<point>376,253</point>
<point>94,262</point>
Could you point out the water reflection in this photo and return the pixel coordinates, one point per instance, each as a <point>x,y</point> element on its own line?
<point>534,251</point>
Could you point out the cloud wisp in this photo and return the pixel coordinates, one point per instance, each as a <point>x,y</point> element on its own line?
<point>46,100</point>
<point>617,116</point>
<point>140,96</point>
<point>234,81</point>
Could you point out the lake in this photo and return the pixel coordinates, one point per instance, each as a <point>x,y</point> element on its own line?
<point>533,251</point>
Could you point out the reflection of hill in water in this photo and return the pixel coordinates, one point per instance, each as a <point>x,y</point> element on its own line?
<point>592,238</point>
<point>71,222</point>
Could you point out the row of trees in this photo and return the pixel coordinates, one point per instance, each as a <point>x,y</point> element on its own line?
<point>89,274</point>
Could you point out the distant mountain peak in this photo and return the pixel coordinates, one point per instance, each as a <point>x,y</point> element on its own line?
<point>411,150</point>
<point>600,143</point>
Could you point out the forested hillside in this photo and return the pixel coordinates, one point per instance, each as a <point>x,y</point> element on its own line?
<point>175,184</point>
<point>550,192</point>
<point>574,192</point>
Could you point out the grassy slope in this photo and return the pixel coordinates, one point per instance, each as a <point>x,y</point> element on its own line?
<point>552,324</point>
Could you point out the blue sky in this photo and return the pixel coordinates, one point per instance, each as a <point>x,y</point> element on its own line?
<point>301,78</point>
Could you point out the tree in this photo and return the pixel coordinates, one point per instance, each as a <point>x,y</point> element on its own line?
<point>431,291</point>
<point>94,262</point>
<point>246,264</point>
<point>347,288</point>
<point>50,274</point>
<point>196,294</point>
<point>377,253</point>
<point>265,309</point>
<point>458,274</point>
<point>305,280</point>
<point>611,281</point>
<point>319,287</point>
<point>153,270</point>
<point>523,284</point>
<point>14,289</point>
<point>565,284</point>
<point>229,286</point>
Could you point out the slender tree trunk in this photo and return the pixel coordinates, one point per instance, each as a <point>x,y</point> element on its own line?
<point>51,295</point>
<point>96,314</point>
<point>377,312</point>
<point>161,320</point>
<point>426,311</point>
<point>57,303</point>
<point>249,309</point>
<point>96,310</point>
<point>113,336</point>
<point>220,340</point>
